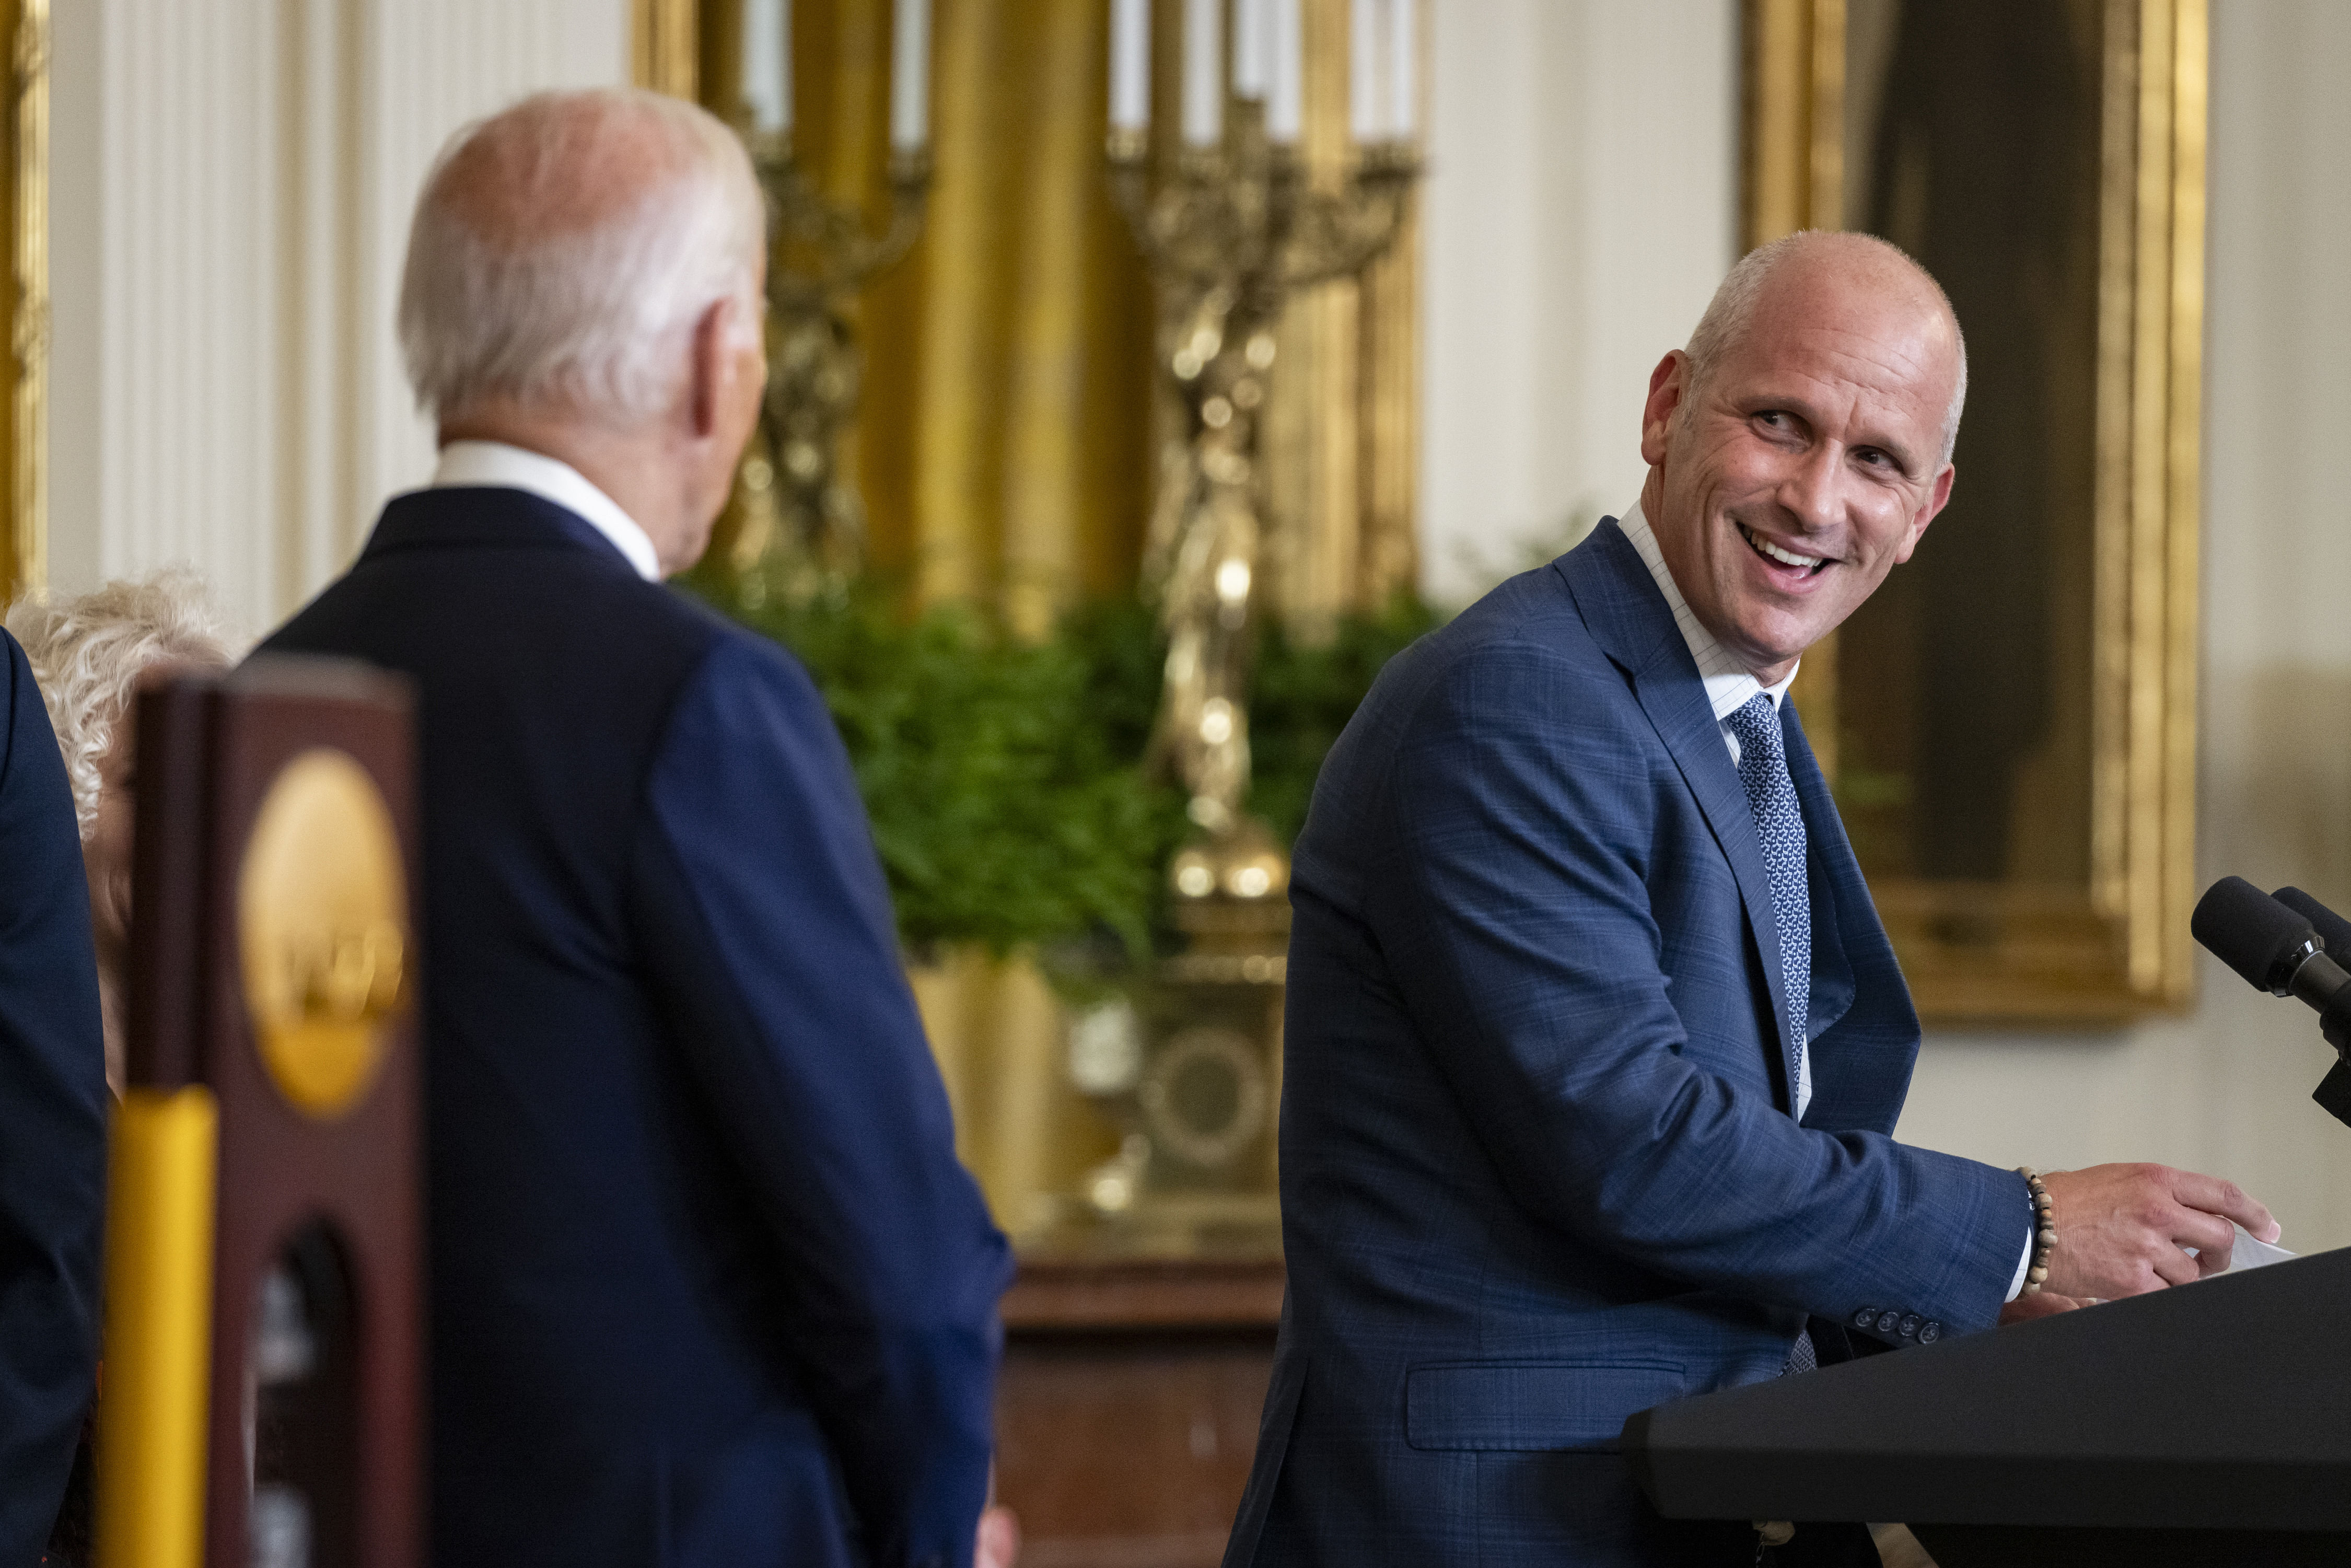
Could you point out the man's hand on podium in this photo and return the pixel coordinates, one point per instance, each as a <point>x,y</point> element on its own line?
<point>2121,1230</point>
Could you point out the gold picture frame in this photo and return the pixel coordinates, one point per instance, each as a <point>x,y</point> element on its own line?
<point>2084,921</point>
<point>25,167</point>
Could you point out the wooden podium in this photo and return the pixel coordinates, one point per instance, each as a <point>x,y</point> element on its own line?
<point>263,1372</point>
<point>1127,1411</point>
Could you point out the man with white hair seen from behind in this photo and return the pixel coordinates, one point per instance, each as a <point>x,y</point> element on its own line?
<point>707,1283</point>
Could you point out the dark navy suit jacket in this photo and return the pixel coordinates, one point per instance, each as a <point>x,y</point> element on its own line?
<point>52,1124</point>
<point>709,1285</point>
<point>1538,1165</point>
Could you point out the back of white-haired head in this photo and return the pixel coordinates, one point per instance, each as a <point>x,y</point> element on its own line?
<point>88,652</point>
<point>563,250</point>
<point>1732,310</point>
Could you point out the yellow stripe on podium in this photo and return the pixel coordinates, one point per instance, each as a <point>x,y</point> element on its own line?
<point>159,1297</point>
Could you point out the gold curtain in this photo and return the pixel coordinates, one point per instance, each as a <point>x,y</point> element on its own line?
<point>1005,447</point>
<point>1343,429</point>
<point>999,445</point>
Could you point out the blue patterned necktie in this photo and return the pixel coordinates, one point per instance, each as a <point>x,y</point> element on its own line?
<point>1780,828</point>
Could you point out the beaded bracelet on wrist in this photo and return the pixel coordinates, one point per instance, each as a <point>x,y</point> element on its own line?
<point>2044,1230</point>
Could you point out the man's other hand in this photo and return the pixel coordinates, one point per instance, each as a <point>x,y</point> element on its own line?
<point>2121,1228</point>
<point>998,1546</point>
<point>2040,1304</point>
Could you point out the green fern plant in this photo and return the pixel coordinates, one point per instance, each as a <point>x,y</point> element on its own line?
<point>1005,779</point>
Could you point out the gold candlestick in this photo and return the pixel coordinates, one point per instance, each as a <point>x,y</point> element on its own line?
<point>803,525</point>
<point>1229,237</point>
<point>1192,1074</point>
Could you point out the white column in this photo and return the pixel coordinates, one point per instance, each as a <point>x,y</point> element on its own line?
<point>1582,204</point>
<point>231,191</point>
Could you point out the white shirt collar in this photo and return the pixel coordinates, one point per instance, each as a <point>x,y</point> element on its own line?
<point>494,463</point>
<point>1730,685</point>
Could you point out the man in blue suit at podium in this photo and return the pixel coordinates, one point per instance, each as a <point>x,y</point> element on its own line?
<point>707,1283</point>
<point>1595,1043</point>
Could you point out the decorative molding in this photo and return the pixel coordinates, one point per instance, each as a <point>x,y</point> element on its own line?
<point>1792,177</point>
<point>1792,105</point>
<point>665,49</point>
<point>29,431</point>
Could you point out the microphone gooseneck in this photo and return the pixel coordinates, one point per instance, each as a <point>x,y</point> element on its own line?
<point>2275,942</point>
<point>2335,1092</point>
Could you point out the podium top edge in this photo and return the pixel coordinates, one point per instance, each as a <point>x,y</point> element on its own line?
<point>305,675</point>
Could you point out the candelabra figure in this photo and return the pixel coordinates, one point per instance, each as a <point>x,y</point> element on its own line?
<point>1229,239</point>
<point>1189,1068</point>
<point>803,525</point>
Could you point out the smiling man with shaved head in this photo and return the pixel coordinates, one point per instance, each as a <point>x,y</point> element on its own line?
<point>1596,1044</point>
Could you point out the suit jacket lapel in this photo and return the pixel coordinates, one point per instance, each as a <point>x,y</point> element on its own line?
<point>1634,627</point>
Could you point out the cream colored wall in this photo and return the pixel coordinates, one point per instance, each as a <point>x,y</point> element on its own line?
<point>1582,204</point>
<point>1570,243</point>
<point>232,180</point>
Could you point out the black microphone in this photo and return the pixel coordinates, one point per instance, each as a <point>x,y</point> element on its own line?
<point>2259,937</point>
<point>2332,928</point>
<point>2276,950</point>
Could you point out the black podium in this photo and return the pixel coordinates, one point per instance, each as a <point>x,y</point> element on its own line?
<point>2206,1424</point>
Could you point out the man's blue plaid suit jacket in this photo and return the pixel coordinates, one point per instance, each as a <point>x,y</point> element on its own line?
<point>1538,1165</point>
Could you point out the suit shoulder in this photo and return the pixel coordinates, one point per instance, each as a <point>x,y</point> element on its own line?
<point>744,693</point>
<point>734,653</point>
<point>1524,649</point>
<point>25,703</point>
<point>20,669</point>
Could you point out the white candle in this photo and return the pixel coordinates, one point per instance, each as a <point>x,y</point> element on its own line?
<point>910,76</point>
<point>1204,72</point>
<point>1284,101</point>
<point>768,64</point>
<point>1403,106</point>
<point>1129,65</point>
<point>1363,116</point>
<point>1250,48</point>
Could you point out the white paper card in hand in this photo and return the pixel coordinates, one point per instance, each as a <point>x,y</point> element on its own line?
<point>2248,1251</point>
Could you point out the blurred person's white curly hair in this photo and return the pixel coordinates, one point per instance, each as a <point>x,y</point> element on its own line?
<point>88,651</point>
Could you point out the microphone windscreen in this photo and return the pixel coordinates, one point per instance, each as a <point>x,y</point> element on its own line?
<point>2251,932</point>
<point>2332,928</point>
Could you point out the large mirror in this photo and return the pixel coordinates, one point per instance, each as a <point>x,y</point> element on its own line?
<point>2010,722</point>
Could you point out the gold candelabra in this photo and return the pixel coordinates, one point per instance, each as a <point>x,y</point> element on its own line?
<point>1230,234</point>
<point>1192,1074</point>
<point>803,525</point>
